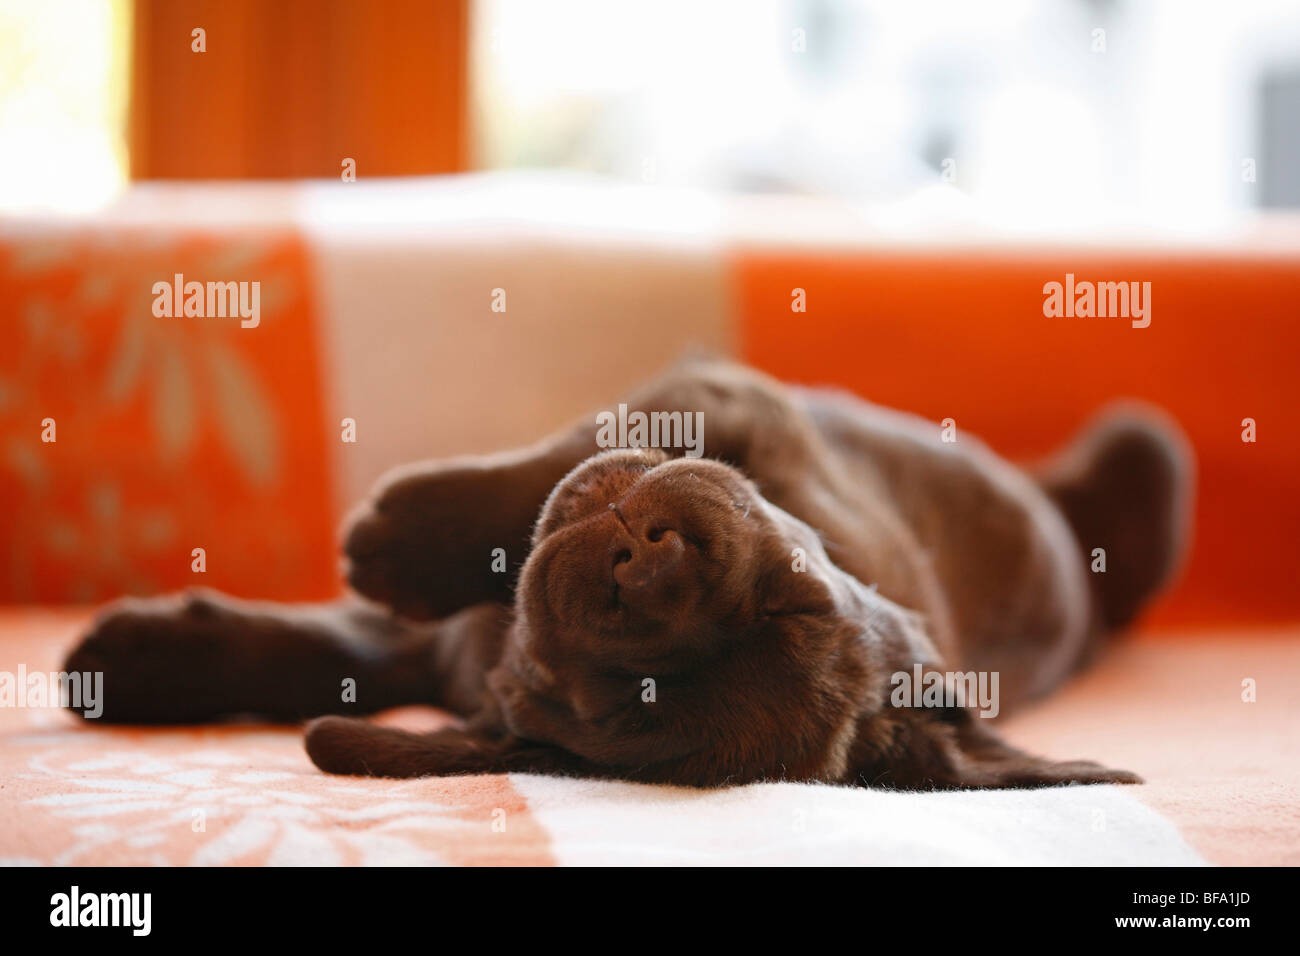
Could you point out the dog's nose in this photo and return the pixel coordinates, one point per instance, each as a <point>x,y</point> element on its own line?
<point>650,563</point>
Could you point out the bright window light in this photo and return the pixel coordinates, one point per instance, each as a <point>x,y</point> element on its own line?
<point>63,71</point>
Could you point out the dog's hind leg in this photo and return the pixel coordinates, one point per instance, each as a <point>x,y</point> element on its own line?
<point>1125,486</point>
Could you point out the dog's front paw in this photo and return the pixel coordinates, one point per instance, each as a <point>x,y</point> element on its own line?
<point>154,661</point>
<point>424,546</point>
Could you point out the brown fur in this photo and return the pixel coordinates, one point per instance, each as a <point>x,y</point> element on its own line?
<point>633,565</point>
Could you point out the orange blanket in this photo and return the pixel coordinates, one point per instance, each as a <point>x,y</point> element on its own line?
<point>1223,786</point>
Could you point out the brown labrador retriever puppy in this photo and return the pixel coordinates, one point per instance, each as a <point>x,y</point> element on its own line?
<point>746,615</point>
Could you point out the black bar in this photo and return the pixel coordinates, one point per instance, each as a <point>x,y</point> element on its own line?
<point>959,905</point>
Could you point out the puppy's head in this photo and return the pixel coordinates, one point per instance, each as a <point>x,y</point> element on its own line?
<point>670,616</point>
<point>636,557</point>
<point>673,625</point>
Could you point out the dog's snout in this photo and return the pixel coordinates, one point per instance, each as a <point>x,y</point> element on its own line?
<point>649,561</point>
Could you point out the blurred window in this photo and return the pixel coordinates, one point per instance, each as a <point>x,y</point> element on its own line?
<point>1070,110</point>
<point>63,80</point>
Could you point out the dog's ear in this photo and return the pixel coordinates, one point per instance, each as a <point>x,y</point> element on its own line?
<point>835,617</point>
<point>951,748</point>
<point>798,577</point>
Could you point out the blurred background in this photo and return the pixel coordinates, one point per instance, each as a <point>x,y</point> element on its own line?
<point>634,179</point>
<point>1076,109</point>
